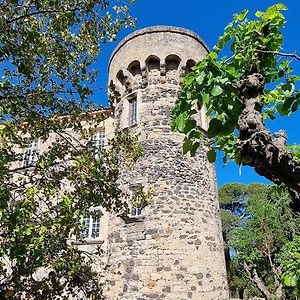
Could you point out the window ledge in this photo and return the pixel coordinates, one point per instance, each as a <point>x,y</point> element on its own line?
<point>86,242</point>
<point>133,125</point>
<point>131,219</point>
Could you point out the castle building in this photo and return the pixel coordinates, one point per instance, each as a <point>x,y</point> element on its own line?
<point>172,248</point>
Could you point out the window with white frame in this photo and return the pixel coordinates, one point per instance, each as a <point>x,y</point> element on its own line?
<point>91,225</point>
<point>98,141</point>
<point>30,153</point>
<point>135,212</point>
<point>132,111</point>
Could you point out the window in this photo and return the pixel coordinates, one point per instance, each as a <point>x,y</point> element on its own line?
<point>136,212</point>
<point>98,142</point>
<point>29,155</point>
<point>132,111</point>
<point>91,226</point>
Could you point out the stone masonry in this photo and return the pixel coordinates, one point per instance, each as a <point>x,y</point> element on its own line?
<point>174,249</point>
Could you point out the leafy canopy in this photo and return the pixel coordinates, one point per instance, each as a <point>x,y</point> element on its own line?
<point>260,239</point>
<point>47,49</point>
<point>215,82</point>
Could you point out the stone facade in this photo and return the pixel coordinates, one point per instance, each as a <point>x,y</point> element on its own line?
<point>174,249</point>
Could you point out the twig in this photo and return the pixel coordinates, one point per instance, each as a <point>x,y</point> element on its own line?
<point>37,13</point>
<point>293,55</point>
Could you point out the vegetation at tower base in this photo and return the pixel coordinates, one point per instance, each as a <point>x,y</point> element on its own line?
<point>260,233</point>
<point>239,92</point>
<point>46,53</point>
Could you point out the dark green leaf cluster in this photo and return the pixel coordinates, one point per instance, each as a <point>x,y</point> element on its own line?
<point>260,238</point>
<point>290,261</point>
<point>214,83</point>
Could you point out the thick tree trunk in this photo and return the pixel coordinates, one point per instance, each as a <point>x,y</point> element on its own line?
<point>260,149</point>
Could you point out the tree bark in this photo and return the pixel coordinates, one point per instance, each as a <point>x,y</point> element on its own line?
<point>258,147</point>
<point>252,273</point>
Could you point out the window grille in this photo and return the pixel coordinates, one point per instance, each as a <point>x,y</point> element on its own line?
<point>98,141</point>
<point>136,212</point>
<point>132,111</point>
<point>29,156</point>
<point>91,226</point>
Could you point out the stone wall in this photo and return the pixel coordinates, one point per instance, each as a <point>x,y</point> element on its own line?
<point>174,250</point>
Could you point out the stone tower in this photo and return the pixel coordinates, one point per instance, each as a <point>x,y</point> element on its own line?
<point>172,248</point>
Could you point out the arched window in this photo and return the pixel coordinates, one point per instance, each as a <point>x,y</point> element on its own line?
<point>172,65</point>
<point>153,68</point>
<point>153,63</point>
<point>172,62</point>
<point>121,77</point>
<point>134,68</point>
<point>189,64</point>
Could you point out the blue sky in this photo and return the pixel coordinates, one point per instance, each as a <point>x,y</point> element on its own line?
<point>208,19</point>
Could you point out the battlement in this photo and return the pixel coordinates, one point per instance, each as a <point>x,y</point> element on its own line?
<point>154,55</point>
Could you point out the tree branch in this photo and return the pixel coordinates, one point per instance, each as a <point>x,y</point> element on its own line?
<point>39,12</point>
<point>292,55</point>
<point>267,154</point>
<point>252,273</point>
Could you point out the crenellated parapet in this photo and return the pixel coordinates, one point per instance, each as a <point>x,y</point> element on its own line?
<point>153,56</point>
<point>152,71</point>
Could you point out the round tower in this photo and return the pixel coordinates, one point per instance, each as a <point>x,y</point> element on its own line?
<point>172,248</point>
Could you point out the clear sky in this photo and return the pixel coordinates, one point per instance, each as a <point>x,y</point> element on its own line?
<point>208,19</point>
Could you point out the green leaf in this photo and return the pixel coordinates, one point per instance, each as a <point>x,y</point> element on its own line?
<point>213,55</point>
<point>211,155</point>
<point>280,6</point>
<point>259,13</point>
<point>283,110</point>
<point>216,90</point>
<point>290,280</point>
<point>28,231</point>
<point>189,80</point>
<point>205,98</point>
<point>241,16</point>
<point>186,145</point>
<point>200,77</point>
<point>193,148</point>
<point>232,71</point>
<point>42,230</point>
<point>181,120</point>
<point>189,125</point>
<point>214,127</point>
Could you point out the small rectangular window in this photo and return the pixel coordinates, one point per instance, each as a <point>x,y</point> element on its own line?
<point>91,226</point>
<point>29,156</point>
<point>136,212</point>
<point>132,111</point>
<point>98,141</point>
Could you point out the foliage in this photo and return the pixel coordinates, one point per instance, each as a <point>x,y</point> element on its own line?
<point>258,241</point>
<point>47,49</point>
<point>290,262</point>
<point>233,198</point>
<point>215,82</point>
